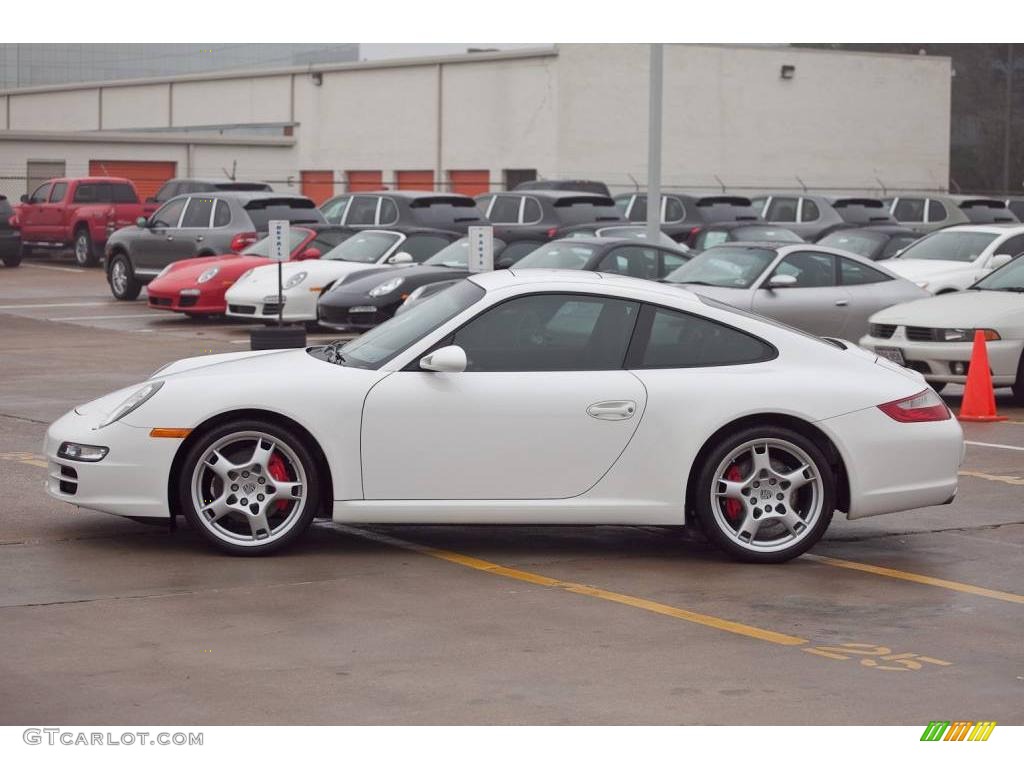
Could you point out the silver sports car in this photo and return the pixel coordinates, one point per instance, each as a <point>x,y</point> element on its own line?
<point>823,291</point>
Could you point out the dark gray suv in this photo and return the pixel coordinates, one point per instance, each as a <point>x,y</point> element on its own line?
<point>203,224</point>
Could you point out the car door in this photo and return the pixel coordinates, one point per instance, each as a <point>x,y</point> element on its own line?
<point>870,290</point>
<point>194,231</point>
<point>51,213</point>
<point>29,213</point>
<point>542,411</point>
<point>153,243</point>
<point>815,303</point>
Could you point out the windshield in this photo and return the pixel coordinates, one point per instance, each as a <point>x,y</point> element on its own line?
<point>561,254</point>
<point>949,246</point>
<point>771,234</point>
<point>457,254</point>
<point>377,346</point>
<point>639,233</point>
<point>724,266</point>
<point>262,247</point>
<point>1008,278</point>
<point>861,243</point>
<point>364,247</point>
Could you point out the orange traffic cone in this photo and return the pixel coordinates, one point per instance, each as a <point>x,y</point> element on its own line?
<point>979,402</point>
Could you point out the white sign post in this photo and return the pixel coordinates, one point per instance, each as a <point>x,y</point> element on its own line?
<point>279,251</point>
<point>481,249</point>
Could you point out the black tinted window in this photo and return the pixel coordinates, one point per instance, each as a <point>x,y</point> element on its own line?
<point>333,210</point>
<point>781,209</point>
<point>550,332</point>
<point>505,209</point>
<point>362,211</point>
<point>513,252</point>
<point>1012,245</point>
<point>631,260</point>
<point>167,191</point>
<point>59,190</point>
<point>121,193</point>
<point>811,270</point>
<point>198,212</point>
<point>42,194</point>
<point>936,211</point>
<point>222,214</point>
<point>388,211</point>
<point>895,245</point>
<point>810,211</point>
<point>296,211</point>
<point>87,193</point>
<point>674,210</point>
<point>909,209</point>
<point>531,211</point>
<point>639,210</point>
<point>854,273</point>
<point>422,247</point>
<point>168,215</point>
<point>666,338</point>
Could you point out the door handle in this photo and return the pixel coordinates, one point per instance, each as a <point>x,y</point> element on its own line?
<point>843,303</point>
<point>612,410</point>
<point>199,238</point>
<point>170,237</point>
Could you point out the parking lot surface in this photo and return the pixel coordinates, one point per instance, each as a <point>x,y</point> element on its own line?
<point>900,619</point>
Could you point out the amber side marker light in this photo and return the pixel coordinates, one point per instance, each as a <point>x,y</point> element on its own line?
<point>169,432</point>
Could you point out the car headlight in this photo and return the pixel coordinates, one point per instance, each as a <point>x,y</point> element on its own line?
<point>208,275</point>
<point>387,286</point>
<point>137,398</point>
<point>294,280</point>
<point>957,334</point>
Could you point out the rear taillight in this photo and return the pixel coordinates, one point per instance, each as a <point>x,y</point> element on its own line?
<point>243,240</point>
<point>553,231</point>
<point>692,237</point>
<point>924,406</point>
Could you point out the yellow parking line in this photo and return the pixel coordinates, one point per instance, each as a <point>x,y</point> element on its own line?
<point>35,459</point>
<point>1008,479</point>
<point>918,578</point>
<point>582,589</point>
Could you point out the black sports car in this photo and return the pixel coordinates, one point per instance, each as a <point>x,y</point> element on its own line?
<point>882,241</point>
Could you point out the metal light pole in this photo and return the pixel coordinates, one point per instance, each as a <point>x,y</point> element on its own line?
<point>1008,117</point>
<point>654,144</point>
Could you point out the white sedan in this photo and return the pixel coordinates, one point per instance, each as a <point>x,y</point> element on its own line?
<point>531,397</point>
<point>255,294</point>
<point>935,336</point>
<point>954,258</point>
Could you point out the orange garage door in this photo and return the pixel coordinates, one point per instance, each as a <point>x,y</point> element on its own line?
<point>470,183</point>
<point>148,175</point>
<point>318,185</point>
<point>415,180</point>
<point>364,181</point>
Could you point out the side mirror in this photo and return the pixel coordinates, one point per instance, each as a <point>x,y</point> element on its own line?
<point>781,281</point>
<point>141,222</point>
<point>309,253</point>
<point>400,258</point>
<point>450,359</point>
<point>1000,260</point>
<point>24,198</point>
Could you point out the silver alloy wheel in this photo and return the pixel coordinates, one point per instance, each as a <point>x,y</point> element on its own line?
<point>82,248</point>
<point>119,277</point>
<point>777,494</point>
<point>235,494</point>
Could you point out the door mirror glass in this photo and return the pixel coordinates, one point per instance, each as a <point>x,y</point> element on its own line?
<point>782,281</point>
<point>141,222</point>
<point>402,257</point>
<point>450,359</point>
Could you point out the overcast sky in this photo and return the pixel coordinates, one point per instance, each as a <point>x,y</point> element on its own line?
<point>405,50</point>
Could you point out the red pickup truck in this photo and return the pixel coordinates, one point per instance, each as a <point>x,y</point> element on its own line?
<point>81,213</point>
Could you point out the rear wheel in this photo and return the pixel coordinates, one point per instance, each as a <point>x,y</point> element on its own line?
<point>85,251</point>
<point>12,259</point>
<point>765,494</point>
<point>122,280</point>
<point>1018,385</point>
<point>249,487</point>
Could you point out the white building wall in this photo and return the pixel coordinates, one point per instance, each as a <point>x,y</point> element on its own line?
<point>140,106</point>
<point>232,102</point>
<point>71,110</point>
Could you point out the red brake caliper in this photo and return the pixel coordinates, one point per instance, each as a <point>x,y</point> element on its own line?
<point>278,471</point>
<point>733,507</point>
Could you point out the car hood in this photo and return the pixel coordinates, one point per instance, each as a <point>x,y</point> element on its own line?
<point>965,309</point>
<point>414,275</point>
<point>319,272</point>
<point>229,265</point>
<point>920,269</point>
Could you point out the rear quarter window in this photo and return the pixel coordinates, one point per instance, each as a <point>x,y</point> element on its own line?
<point>667,338</point>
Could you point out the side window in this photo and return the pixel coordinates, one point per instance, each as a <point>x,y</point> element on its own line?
<point>505,209</point>
<point>854,273</point>
<point>388,211</point>
<point>936,211</point>
<point>670,262</point>
<point>1012,245</point>
<point>166,192</point>
<point>59,190</point>
<point>639,210</point>
<point>221,214</point>
<point>333,210</point>
<point>666,338</point>
<point>531,211</point>
<point>810,211</point>
<point>909,209</point>
<point>41,195</point>
<point>482,202</point>
<point>811,270</point>
<point>123,193</point>
<point>168,215</point>
<point>550,332</point>
<point>895,245</point>
<point>362,211</point>
<point>87,193</point>
<point>674,210</point>
<point>781,209</point>
<point>514,252</point>
<point>631,260</point>
<point>197,214</point>
<point>422,247</point>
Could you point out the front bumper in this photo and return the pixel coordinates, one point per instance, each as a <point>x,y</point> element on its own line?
<point>361,314</point>
<point>132,480</point>
<point>299,305</point>
<point>933,359</point>
<point>184,300</point>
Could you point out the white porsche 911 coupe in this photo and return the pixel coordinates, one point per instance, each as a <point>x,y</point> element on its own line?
<point>523,397</point>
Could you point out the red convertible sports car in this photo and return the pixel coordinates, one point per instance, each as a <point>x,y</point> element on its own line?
<point>196,287</point>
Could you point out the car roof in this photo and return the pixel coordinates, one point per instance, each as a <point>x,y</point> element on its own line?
<point>116,179</point>
<point>885,229</point>
<point>992,229</point>
<point>586,280</point>
<point>553,194</point>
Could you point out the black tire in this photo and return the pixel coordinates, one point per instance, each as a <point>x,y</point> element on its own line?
<point>938,386</point>
<point>85,249</point>
<point>121,279</point>
<point>758,504</point>
<point>1018,385</point>
<point>238,534</point>
<point>12,259</point>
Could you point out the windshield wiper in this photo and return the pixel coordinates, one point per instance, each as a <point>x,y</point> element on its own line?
<point>1010,288</point>
<point>332,353</point>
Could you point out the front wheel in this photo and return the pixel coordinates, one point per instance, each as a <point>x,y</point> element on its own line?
<point>12,259</point>
<point>85,251</point>
<point>1018,385</point>
<point>123,283</point>
<point>765,494</point>
<point>249,487</point>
